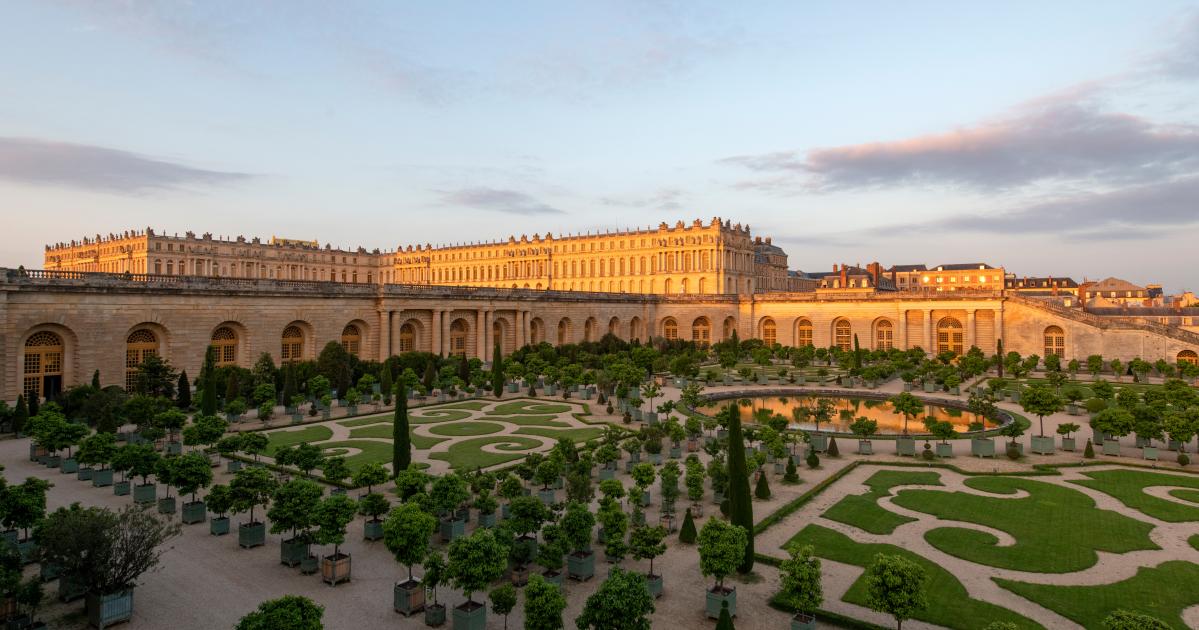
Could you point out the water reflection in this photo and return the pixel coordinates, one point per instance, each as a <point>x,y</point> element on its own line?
<point>844,410</point>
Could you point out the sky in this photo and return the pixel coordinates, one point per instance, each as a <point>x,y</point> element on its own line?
<point>1053,138</point>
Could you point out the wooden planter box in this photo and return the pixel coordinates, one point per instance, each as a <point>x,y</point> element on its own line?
<point>107,610</point>
<point>335,569</point>
<point>1018,447</point>
<point>435,615</point>
<point>470,616</point>
<point>546,496</point>
<point>218,525</point>
<point>408,597</point>
<point>803,622</point>
<point>1149,453</point>
<point>1043,444</point>
<point>1068,444</point>
<point>905,446</point>
<point>653,583</point>
<point>865,447</point>
<point>194,512</point>
<point>606,473</point>
<point>102,478</point>
<point>68,465</point>
<point>166,505</point>
<point>451,530</point>
<point>1111,447</point>
<point>250,535</point>
<point>715,599</point>
<point>982,447</point>
<point>292,551</point>
<point>580,565</point>
<point>233,465</point>
<point>85,473</point>
<point>945,450</point>
<point>487,520</point>
<point>121,488</point>
<point>309,565</point>
<point>145,494</point>
<point>372,529</point>
<point>819,442</point>
<point>70,588</point>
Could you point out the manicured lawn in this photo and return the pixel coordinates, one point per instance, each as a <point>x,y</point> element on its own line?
<point>458,429</point>
<point>527,407</point>
<point>372,451</point>
<point>279,439</point>
<point>468,454</point>
<point>578,435</point>
<point>1186,495</point>
<point>864,512</point>
<point>363,421</point>
<point>383,432</point>
<point>1128,486</point>
<point>429,416</point>
<point>1163,592</point>
<point>949,603</point>
<point>473,405</point>
<point>1194,541</point>
<point>534,421</point>
<point>1057,530</point>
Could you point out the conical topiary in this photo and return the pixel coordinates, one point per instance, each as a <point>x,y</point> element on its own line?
<point>762,490</point>
<point>1089,451</point>
<point>726,620</point>
<point>687,532</point>
<point>833,451</point>
<point>792,475</point>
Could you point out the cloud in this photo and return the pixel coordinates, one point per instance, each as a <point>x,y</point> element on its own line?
<point>1180,59</point>
<point>497,200</point>
<point>48,163</point>
<point>661,199</point>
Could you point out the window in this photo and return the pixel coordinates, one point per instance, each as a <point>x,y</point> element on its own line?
<point>769,332</point>
<point>351,339</point>
<point>407,338</point>
<point>536,331</point>
<point>457,337</point>
<point>884,338</point>
<point>843,335</point>
<point>803,333</point>
<point>589,329</point>
<point>950,336</point>
<point>140,345</point>
<point>670,329</point>
<point>1188,356</point>
<point>293,344</point>
<point>43,365</point>
<point>701,331</point>
<point>225,342</point>
<point>1055,341</point>
<point>563,331</point>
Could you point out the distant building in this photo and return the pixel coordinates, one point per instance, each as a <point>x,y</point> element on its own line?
<point>1115,292</point>
<point>853,278</point>
<point>954,277</point>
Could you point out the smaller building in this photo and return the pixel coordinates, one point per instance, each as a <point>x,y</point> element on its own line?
<point>952,277</point>
<point>1115,293</point>
<point>852,278</point>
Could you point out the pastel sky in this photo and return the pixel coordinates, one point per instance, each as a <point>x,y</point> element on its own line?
<point>1050,137</point>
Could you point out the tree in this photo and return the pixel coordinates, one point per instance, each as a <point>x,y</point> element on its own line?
<point>908,405</point>
<point>24,505</point>
<point>622,602</point>
<point>333,363</point>
<point>721,549</point>
<point>800,577</point>
<point>1041,401</point>
<point>503,597</point>
<point>293,612</point>
<point>97,450</point>
<point>184,389</point>
<point>208,383</point>
<point>687,533</point>
<point>646,544</point>
<point>476,561</point>
<point>725,622</point>
<point>544,604</point>
<point>190,473</point>
<point>401,442</point>
<point>370,475</point>
<point>762,490</point>
<point>20,415</point>
<point>386,382</point>
<point>294,508</point>
<point>741,511</point>
<point>332,516</point>
<point>497,386</point>
<point>577,524</point>
<point>254,443</point>
<point>406,534</point>
<point>219,500</point>
<point>895,586</point>
<point>1125,620</point>
<point>251,487</point>
<point>155,377</point>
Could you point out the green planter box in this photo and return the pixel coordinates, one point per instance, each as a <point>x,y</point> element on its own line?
<point>49,572</point>
<point>676,452</point>
<point>606,473</point>
<point>68,466</point>
<point>292,551</point>
<point>982,447</point>
<point>905,446</point>
<point>108,610</point>
<point>233,465</point>
<point>408,597</point>
<point>121,488</point>
<point>645,499</point>
<point>819,442</point>
<point>581,565</point>
<point>470,616</point>
<point>218,525</point>
<point>1149,453</point>
<point>451,530</point>
<point>145,494</point>
<point>547,496</point>
<point>865,447</point>
<point>512,388</point>
<point>1018,447</point>
<point>250,535</point>
<point>1111,447</point>
<point>945,450</point>
<point>435,615</point>
<point>715,601</point>
<point>803,622</point>
<point>487,520</point>
<point>557,578</point>
<point>309,565</point>
<point>166,505</point>
<point>174,448</point>
<point>1043,444</point>
<point>85,473</point>
<point>28,550</point>
<point>1068,444</point>
<point>194,512</point>
<point>930,388</point>
<point>53,461</point>
<point>372,529</point>
<point>653,583</point>
<point>70,588</point>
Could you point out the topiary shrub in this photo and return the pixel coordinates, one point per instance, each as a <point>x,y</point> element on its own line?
<point>1089,451</point>
<point>1183,459</point>
<point>812,460</point>
<point>1012,452</point>
<point>762,490</point>
<point>928,455</point>
<point>833,451</point>
<point>687,532</point>
<point>791,476</point>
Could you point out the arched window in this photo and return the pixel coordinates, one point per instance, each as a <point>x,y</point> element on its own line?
<point>141,344</point>
<point>351,339</point>
<point>843,335</point>
<point>563,331</point>
<point>225,342</point>
<point>590,329</point>
<point>635,328</point>
<point>614,327</point>
<point>458,337</point>
<point>701,331</point>
<point>803,333</point>
<point>950,336</point>
<point>497,334</point>
<point>407,338</point>
<point>293,344</point>
<point>1055,341</point>
<point>670,329</point>
<point>884,338</point>
<point>42,369</point>
<point>730,325</point>
<point>770,333</point>
<point>1188,356</point>
<point>666,290</point>
<point>703,285</point>
<point>536,331</point>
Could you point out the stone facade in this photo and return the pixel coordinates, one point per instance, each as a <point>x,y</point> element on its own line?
<point>56,328</point>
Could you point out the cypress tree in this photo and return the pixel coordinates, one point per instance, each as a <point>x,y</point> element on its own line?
<point>289,384</point>
<point>430,377</point>
<point>857,352</point>
<point>208,383</point>
<point>726,621</point>
<point>762,491</point>
<point>96,379</point>
<point>687,532</point>
<point>232,387</point>
<point>20,415</point>
<point>401,443</point>
<point>385,382</point>
<point>999,356</point>
<point>33,406</point>
<point>497,371</point>
<point>184,398</point>
<point>741,510</point>
<point>464,368</point>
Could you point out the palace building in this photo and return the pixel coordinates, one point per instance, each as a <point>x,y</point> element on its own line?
<point>106,303</point>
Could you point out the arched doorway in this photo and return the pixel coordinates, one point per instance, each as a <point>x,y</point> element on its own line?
<point>950,336</point>
<point>843,335</point>
<point>139,345</point>
<point>670,329</point>
<point>407,340</point>
<point>563,331</point>
<point>458,330</point>
<point>43,365</point>
<point>701,331</point>
<point>224,340</point>
<point>884,335</point>
<point>1055,341</point>
<point>769,332</point>
<point>292,345</point>
<point>351,339</point>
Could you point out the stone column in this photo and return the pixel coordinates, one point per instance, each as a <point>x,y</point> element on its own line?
<point>395,333</point>
<point>445,334</point>
<point>384,328</point>
<point>435,332</point>
<point>484,335</point>
<point>999,328</point>
<point>903,329</point>
<point>929,346</point>
<point>971,335</point>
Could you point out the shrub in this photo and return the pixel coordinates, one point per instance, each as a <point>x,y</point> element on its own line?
<point>833,451</point>
<point>1012,452</point>
<point>762,490</point>
<point>927,454</point>
<point>1183,459</point>
<point>1089,451</point>
<point>791,476</point>
<point>687,532</point>
<point>813,461</point>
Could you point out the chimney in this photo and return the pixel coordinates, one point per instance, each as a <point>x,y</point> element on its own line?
<point>844,276</point>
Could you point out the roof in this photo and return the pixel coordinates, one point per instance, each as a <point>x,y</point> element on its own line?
<point>1115,284</point>
<point>906,268</point>
<point>962,267</point>
<point>1045,282</point>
